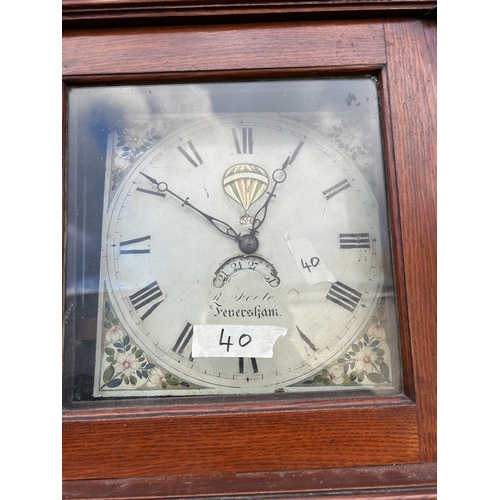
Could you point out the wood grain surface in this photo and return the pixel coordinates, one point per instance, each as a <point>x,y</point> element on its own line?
<point>219,48</point>
<point>241,442</point>
<point>411,67</point>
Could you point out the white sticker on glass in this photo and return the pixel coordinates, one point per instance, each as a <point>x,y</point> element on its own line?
<point>308,260</point>
<point>234,341</point>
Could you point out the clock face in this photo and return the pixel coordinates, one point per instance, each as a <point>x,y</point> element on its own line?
<point>241,252</point>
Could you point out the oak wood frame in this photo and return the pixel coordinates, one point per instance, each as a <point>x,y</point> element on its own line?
<point>318,445</point>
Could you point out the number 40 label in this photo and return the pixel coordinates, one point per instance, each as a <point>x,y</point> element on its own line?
<point>235,341</point>
<point>310,264</point>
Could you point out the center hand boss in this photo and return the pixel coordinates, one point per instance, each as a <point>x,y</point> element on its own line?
<point>245,245</point>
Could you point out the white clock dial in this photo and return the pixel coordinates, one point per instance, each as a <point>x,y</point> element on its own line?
<point>317,270</point>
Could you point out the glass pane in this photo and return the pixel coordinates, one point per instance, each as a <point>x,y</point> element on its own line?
<point>228,239</point>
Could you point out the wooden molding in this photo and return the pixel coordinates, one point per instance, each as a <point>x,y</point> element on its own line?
<point>107,13</point>
<point>393,482</point>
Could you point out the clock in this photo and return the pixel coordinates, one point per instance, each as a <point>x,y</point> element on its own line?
<point>360,95</point>
<point>245,250</point>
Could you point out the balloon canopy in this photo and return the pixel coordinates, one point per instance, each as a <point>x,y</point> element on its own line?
<point>245,183</point>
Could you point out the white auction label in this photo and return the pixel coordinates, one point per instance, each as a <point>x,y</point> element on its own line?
<point>308,260</point>
<point>235,341</point>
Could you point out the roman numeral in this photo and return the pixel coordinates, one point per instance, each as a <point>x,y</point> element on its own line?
<point>307,340</point>
<point>241,362</point>
<point>145,297</point>
<point>124,251</point>
<point>148,191</point>
<point>354,240</point>
<point>329,193</point>
<point>183,340</point>
<point>196,161</point>
<point>296,152</point>
<point>344,296</point>
<point>246,146</point>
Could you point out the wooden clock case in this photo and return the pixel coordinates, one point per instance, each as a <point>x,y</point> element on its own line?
<point>348,447</point>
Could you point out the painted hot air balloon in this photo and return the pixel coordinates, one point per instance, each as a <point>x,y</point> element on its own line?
<point>245,183</point>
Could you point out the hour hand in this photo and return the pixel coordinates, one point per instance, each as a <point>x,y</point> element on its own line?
<point>279,176</point>
<point>220,225</point>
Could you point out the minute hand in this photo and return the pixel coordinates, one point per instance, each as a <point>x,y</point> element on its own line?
<point>220,225</point>
<point>279,176</point>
